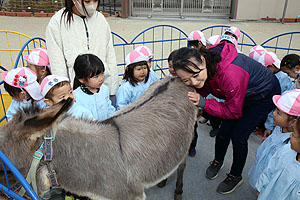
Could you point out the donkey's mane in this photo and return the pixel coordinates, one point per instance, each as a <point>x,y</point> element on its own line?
<point>28,111</point>
<point>154,90</point>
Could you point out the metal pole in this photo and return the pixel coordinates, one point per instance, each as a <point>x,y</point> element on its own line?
<point>284,10</point>
<point>11,5</point>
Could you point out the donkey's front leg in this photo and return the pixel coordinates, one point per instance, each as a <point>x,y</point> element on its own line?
<point>179,181</point>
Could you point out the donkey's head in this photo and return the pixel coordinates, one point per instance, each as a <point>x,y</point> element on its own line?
<point>21,136</point>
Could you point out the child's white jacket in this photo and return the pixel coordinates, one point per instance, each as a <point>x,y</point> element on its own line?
<point>66,41</point>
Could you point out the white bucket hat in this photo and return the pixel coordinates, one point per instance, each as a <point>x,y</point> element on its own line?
<point>23,78</point>
<point>269,58</point>
<point>289,102</point>
<point>198,36</point>
<point>134,57</point>
<point>145,50</point>
<point>50,81</point>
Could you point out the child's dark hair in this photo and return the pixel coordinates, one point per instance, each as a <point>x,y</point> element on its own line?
<point>181,60</point>
<point>69,12</point>
<point>171,55</point>
<point>290,61</point>
<point>49,94</point>
<point>11,90</point>
<point>128,75</point>
<point>298,124</point>
<point>194,43</point>
<point>85,67</point>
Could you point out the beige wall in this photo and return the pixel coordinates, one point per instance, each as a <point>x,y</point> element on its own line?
<point>257,9</point>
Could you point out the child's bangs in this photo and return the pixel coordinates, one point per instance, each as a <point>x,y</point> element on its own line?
<point>95,68</point>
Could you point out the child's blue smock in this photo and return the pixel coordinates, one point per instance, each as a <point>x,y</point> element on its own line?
<point>152,76</point>
<point>281,178</point>
<point>264,153</point>
<point>79,111</point>
<point>128,93</point>
<point>286,84</point>
<point>16,105</point>
<point>98,104</point>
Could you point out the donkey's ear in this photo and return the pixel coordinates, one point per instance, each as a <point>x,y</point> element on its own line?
<point>48,116</point>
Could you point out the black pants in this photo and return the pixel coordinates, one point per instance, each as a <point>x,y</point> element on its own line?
<point>238,130</point>
<point>215,122</point>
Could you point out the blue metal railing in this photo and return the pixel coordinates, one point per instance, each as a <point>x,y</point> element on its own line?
<point>8,164</point>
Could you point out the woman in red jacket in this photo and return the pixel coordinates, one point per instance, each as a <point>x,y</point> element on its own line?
<point>247,88</point>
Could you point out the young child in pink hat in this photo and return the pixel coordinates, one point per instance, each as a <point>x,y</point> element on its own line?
<point>56,88</point>
<point>233,31</point>
<point>286,113</point>
<point>21,84</point>
<point>256,52</point>
<point>147,52</point>
<point>270,60</point>
<point>38,62</point>
<point>281,179</point>
<point>212,40</point>
<point>136,79</point>
<point>196,39</point>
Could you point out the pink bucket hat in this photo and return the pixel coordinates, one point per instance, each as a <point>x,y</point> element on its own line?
<point>269,58</point>
<point>38,57</point>
<point>256,52</point>
<point>23,78</point>
<point>289,102</point>
<point>50,81</point>
<point>212,40</point>
<point>234,30</point>
<point>230,39</point>
<point>145,50</point>
<point>134,57</point>
<point>197,35</point>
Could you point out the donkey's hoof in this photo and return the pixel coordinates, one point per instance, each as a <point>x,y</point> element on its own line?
<point>178,197</point>
<point>162,183</point>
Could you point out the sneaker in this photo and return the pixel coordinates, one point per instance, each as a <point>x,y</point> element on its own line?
<point>202,120</point>
<point>213,132</point>
<point>208,123</point>
<point>213,169</point>
<point>192,152</point>
<point>229,184</point>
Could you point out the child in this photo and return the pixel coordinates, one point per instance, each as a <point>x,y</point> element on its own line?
<point>136,79</point>
<point>270,60</point>
<point>212,40</point>
<point>90,91</point>
<point>21,85</point>
<point>38,62</point>
<point>233,31</point>
<point>55,88</point>
<point>196,40</point>
<point>284,116</point>
<point>290,64</point>
<point>281,178</point>
<point>147,52</point>
<point>171,69</point>
<point>256,52</point>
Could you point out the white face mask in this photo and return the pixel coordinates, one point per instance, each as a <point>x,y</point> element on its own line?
<point>90,9</point>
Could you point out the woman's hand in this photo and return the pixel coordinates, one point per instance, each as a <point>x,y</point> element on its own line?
<point>197,99</point>
<point>194,97</point>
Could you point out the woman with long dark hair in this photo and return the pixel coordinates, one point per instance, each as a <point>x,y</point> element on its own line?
<point>76,29</point>
<point>247,88</point>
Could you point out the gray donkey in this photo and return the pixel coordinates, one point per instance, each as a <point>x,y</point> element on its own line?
<point>136,148</point>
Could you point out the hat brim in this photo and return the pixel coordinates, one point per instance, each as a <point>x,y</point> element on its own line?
<point>34,91</point>
<point>3,75</point>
